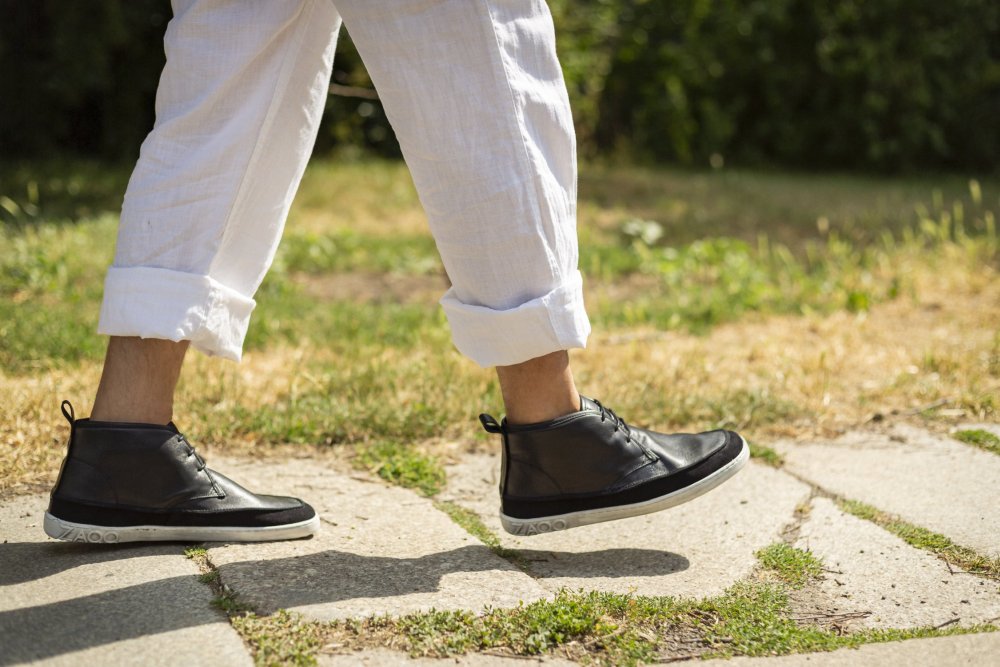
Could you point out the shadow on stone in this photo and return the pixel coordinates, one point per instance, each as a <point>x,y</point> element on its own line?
<point>605,563</point>
<point>164,605</point>
<point>29,561</point>
<point>334,576</point>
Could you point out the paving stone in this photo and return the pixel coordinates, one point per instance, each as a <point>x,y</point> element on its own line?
<point>384,658</point>
<point>381,550</point>
<point>979,650</point>
<point>695,550</point>
<point>875,571</point>
<point>928,480</point>
<point>71,604</point>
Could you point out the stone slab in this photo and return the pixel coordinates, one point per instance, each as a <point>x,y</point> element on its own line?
<point>980,650</point>
<point>928,480</point>
<point>695,550</point>
<point>71,604</point>
<point>385,658</point>
<point>871,570</point>
<point>381,550</point>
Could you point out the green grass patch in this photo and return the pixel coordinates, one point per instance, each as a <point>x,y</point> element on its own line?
<point>979,438</point>
<point>766,455</point>
<point>402,465</point>
<point>282,638</point>
<point>341,250</point>
<point>794,566</point>
<point>938,544</point>
<point>643,272</point>
<point>473,525</point>
<point>604,628</point>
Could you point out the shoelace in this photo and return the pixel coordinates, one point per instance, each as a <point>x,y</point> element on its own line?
<point>192,452</point>
<point>608,413</point>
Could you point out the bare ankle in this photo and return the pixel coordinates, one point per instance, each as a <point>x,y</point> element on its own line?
<point>539,389</point>
<point>138,381</point>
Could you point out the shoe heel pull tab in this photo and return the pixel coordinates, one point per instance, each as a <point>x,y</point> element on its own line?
<point>68,412</point>
<point>490,425</point>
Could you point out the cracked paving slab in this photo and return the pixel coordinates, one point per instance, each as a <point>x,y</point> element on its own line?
<point>979,650</point>
<point>696,550</point>
<point>928,480</point>
<point>871,570</point>
<point>381,550</point>
<point>70,604</point>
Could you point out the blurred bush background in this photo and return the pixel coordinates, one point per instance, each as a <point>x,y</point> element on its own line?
<point>880,85</point>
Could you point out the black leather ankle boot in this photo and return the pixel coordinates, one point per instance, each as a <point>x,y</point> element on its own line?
<point>123,482</point>
<point>590,466</point>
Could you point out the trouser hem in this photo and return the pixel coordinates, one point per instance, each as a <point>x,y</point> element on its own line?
<point>173,305</point>
<point>552,322</point>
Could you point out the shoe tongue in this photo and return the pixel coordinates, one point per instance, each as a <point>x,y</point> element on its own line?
<point>588,404</point>
<point>173,427</point>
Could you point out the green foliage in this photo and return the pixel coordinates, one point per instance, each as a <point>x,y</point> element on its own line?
<point>886,85</point>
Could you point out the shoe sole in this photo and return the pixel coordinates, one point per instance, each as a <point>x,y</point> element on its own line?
<point>549,524</point>
<point>81,532</point>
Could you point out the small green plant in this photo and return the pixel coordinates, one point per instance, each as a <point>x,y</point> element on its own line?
<point>403,466</point>
<point>980,438</point>
<point>473,525</point>
<point>793,566</point>
<point>766,455</point>
<point>938,544</point>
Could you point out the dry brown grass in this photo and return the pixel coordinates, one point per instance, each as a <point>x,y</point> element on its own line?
<point>824,373</point>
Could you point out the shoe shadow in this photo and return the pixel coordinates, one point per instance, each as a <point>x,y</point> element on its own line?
<point>86,620</point>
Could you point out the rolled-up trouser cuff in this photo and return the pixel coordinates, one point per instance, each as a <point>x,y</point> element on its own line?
<point>552,322</point>
<point>173,305</point>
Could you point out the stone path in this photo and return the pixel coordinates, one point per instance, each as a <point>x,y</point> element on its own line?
<point>389,550</point>
<point>695,550</point>
<point>76,604</point>
<point>929,480</point>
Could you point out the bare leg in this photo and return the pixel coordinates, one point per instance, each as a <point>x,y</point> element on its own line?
<point>138,381</point>
<point>539,389</point>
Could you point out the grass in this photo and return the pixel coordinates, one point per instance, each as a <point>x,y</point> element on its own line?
<point>473,525</point>
<point>751,618</point>
<point>766,455</point>
<point>402,466</point>
<point>794,566</point>
<point>713,305</point>
<point>979,438</point>
<point>938,544</point>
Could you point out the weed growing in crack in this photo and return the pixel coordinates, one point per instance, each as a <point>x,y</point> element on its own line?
<point>938,544</point>
<point>793,566</point>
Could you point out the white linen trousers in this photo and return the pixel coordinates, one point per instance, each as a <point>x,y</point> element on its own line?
<point>475,94</point>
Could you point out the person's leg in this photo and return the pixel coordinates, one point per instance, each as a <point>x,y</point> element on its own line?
<point>237,111</point>
<point>539,389</point>
<point>475,94</point>
<point>138,381</point>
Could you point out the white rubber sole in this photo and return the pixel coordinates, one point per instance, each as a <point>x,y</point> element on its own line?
<point>80,532</point>
<point>549,524</point>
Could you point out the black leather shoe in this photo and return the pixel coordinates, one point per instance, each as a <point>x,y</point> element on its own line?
<point>144,482</point>
<point>590,466</point>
